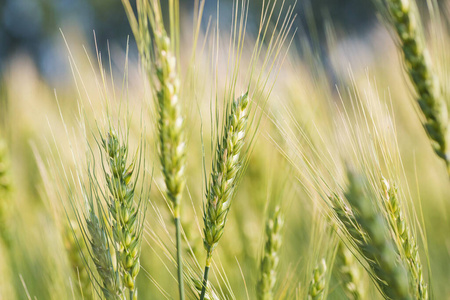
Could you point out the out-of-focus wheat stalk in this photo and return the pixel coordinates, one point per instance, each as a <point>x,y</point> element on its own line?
<point>5,189</point>
<point>350,273</point>
<point>270,259</point>
<point>317,284</point>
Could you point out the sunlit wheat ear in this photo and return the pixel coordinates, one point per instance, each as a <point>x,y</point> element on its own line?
<point>404,237</point>
<point>5,188</point>
<point>76,251</point>
<point>369,233</point>
<point>350,272</point>
<point>160,63</point>
<point>124,209</point>
<point>100,252</point>
<point>270,259</point>
<point>317,285</point>
<point>406,23</point>
<point>226,169</point>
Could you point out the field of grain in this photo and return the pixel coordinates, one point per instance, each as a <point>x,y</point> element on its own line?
<point>225,156</point>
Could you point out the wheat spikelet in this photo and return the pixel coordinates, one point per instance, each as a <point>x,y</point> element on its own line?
<point>317,284</point>
<point>420,70</point>
<point>270,259</point>
<point>368,230</point>
<point>124,211</point>
<point>406,240</point>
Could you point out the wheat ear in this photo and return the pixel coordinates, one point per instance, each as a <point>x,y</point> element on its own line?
<point>124,210</point>
<point>420,70</point>
<point>317,284</point>
<point>226,170</point>
<point>270,259</point>
<point>370,234</point>
<point>405,240</point>
<point>350,273</point>
<point>162,59</point>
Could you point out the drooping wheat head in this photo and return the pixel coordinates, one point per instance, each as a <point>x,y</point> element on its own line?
<point>418,64</point>
<point>370,234</point>
<point>270,259</point>
<point>404,237</point>
<point>124,209</point>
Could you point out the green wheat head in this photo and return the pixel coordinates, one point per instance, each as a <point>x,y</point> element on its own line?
<point>226,170</point>
<point>124,209</point>
<point>418,64</point>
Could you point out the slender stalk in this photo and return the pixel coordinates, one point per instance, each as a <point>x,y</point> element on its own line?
<point>179,258</point>
<point>205,279</point>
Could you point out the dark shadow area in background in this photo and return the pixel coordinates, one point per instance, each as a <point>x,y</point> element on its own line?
<point>31,26</point>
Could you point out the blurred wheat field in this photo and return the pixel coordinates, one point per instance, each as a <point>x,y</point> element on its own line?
<point>326,125</point>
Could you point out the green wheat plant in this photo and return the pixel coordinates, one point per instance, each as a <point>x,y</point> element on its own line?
<point>227,168</point>
<point>125,210</point>
<point>160,63</point>
<point>405,20</point>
